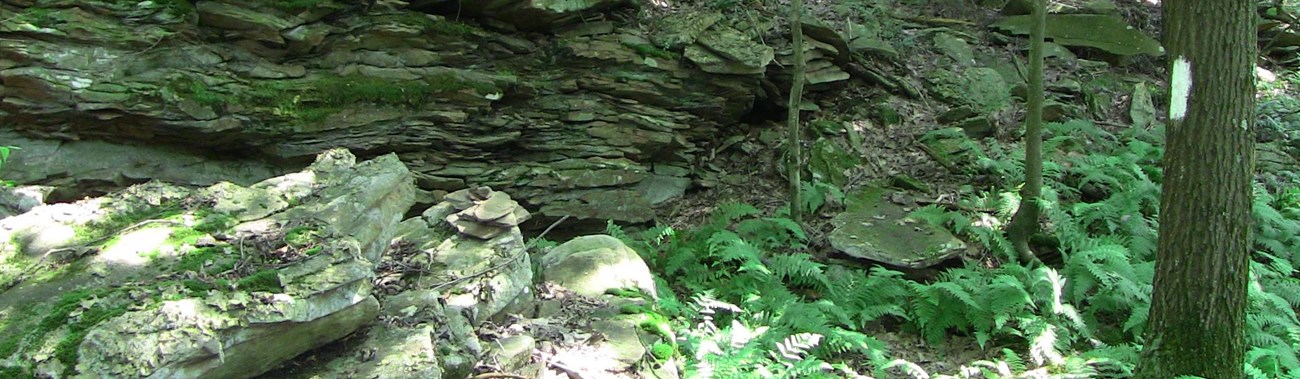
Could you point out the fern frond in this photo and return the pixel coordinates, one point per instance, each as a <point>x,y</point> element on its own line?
<point>799,268</point>
<point>795,347</point>
<point>1014,360</point>
<point>728,212</point>
<point>1042,348</point>
<point>909,368</point>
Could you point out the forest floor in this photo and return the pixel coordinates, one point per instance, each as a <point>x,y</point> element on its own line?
<point>893,149</point>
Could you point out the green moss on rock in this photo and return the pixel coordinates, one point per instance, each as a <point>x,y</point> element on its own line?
<point>175,7</point>
<point>114,223</point>
<point>662,351</point>
<point>452,28</point>
<point>262,281</point>
<point>648,50</point>
<point>12,328</point>
<point>311,100</point>
<point>38,17</point>
<point>196,260</point>
<point>68,350</point>
<point>199,92</point>
<point>215,222</point>
<point>61,315</point>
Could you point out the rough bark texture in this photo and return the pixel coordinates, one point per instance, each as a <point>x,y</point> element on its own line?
<point>1199,303</point>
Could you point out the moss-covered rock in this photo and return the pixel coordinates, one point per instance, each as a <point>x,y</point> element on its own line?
<point>875,228</point>
<point>980,88</point>
<point>1109,33</point>
<point>728,51</point>
<point>593,265</point>
<point>158,278</point>
<point>280,81</point>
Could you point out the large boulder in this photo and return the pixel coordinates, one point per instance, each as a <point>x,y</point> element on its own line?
<point>286,81</point>
<point>225,281</point>
<point>592,265</point>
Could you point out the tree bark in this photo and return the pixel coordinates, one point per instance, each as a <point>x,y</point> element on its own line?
<point>796,97</point>
<point>1024,224</point>
<point>1198,309</point>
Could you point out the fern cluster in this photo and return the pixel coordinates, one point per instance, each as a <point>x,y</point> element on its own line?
<point>763,307</point>
<point>782,297</point>
<point>1100,208</point>
<point>742,258</point>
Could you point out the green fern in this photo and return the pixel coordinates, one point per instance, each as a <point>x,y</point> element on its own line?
<point>801,270</point>
<point>772,233</point>
<point>729,212</point>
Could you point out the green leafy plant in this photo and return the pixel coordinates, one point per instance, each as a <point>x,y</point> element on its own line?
<point>1100,206</point>
<point>4,158</point>
<point>762,306</point>
<point>757,292</point>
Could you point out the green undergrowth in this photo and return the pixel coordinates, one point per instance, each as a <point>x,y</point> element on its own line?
<point>748,300</point>
<point>5,151</point>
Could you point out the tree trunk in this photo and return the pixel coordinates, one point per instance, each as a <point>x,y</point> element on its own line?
<point>1024,224</point>
<point>796,98</point>
<point>1198,307</point>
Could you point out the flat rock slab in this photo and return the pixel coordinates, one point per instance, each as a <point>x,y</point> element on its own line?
<point>877,229</point>
<point>1109,33</point>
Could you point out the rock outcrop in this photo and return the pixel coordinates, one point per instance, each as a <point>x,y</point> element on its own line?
<point>570,124</point>
<point>225,281</point>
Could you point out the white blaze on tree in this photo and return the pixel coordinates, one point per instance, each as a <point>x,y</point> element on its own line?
<point>1180,88</point>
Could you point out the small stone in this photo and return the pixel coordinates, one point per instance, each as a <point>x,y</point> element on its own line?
<point>496,206</point>
<point>459,199</point>
<point>509,220</point>
<point>473,229</point>
<point>205,241</point>
<point>512,352</point>
<point>480,193</point>
<point>621,341</point>
<point>1054,111</point>
<point>518,216</point>
<point>956,114</point>
<point>521,215</point>
<point>978,127</point>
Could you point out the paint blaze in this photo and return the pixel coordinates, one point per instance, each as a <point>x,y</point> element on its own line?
<point>1180,88</point>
